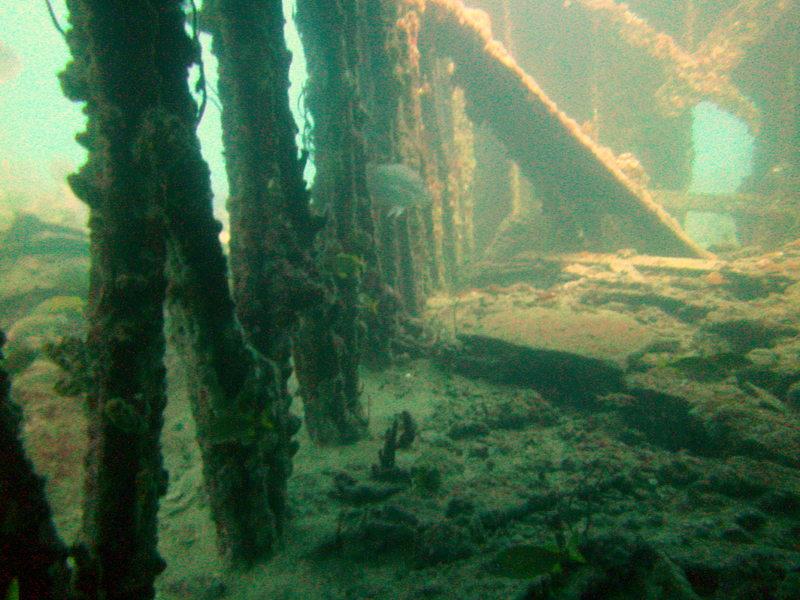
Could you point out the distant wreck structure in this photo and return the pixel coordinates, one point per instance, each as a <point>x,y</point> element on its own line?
<point>581,180</point>
<point>631,74</point>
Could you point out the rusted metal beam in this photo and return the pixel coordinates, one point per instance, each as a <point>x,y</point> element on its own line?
<point>582,176</point>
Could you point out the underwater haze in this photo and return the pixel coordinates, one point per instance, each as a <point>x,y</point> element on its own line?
<point>37,141</point>
<point>476,300</point>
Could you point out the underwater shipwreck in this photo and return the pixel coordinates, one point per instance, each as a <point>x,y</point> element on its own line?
<point>483,352</point>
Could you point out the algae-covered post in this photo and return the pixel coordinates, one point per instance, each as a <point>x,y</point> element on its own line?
<point>272,229</point>
<point>390,85</point>
<point>445,145</point>
<point>330,342</point>
<point>271,226</point>
<point>237,390</point>
<point>514,175</point>
<point>122,51</point>
<point>33,555</point>
<point>369,93</point>
<point>149,192</point>
<point>434,138</point>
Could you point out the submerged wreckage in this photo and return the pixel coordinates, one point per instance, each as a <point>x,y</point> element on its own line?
<point>580,179</point>
<point>614,335</point>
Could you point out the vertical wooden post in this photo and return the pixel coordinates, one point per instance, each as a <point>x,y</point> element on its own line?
<point>117,48</point>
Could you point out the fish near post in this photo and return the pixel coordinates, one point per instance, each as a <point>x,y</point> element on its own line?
<point>395,188</point>
<point>420,259</point>
<point>402,201</point>
<point>381,87</point>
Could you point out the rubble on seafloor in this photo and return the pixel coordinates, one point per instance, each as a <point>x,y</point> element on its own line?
<point>627,428</point>
<point>674,476</point>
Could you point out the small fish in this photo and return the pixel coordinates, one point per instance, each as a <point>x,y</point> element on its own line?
<point>396,187</point>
